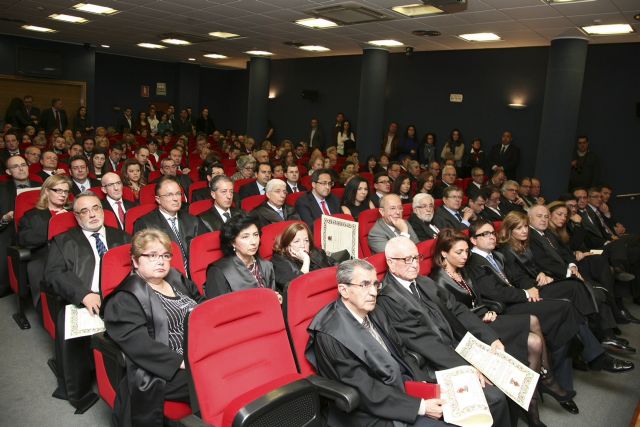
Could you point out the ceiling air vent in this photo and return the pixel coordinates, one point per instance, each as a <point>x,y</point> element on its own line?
<point>349,14</point>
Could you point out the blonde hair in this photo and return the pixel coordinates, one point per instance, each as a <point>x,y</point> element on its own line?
<point>49,183</point>
<point>510,222</point>
<point>142,238</point>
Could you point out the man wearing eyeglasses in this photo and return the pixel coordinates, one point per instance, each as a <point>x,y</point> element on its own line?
<point>449,215</point>
<point>79,169</point>
<point>170,218</point>
<point>510,200</point>
<point>422,216</point>
<point>382,185</point>
<point>113,201</point>
<point>319,201</point>
<point>73,273</point>
<point>353,343</point>
<point>390,225</point>
<point>431,322</point>
<point>449,176</point>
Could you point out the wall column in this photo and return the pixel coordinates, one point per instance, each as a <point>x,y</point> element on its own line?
<point>563,90</point>
<point>373,79</point>
<point>258,103</point>
<point>189,88</point>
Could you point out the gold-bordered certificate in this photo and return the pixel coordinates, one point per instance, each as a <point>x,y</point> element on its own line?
<point>338,234</point>
<point>512,377</point>
<point>79,323</point>
<point>465,404</point>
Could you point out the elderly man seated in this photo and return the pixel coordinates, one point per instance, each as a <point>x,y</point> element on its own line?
<point>449,215</point>
<point>355,344</point>
<point>421,217</point>
<point>274,209</point>
<point>390,225</point>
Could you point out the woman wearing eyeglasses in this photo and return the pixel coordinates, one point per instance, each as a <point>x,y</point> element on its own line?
<point>33,229</point>
<point>145,317</point>
<point>241,268</point>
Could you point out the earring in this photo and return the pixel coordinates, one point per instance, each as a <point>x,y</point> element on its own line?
<point>234,249</point>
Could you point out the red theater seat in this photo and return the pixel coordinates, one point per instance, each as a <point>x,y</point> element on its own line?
<point>292,198</point>
<point>134,213</point>
<point>199,207</point>
<point>269,235</point>
<point>379,261</point>
<point>205,250</point>
<point>198,185</point>
<point>147,195</point>
<point>250,203</point>
<point>240,183</point>
<point>366,221</point>
<point>426,249</point>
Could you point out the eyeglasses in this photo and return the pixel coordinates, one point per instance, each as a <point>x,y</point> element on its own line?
<point>410,259</point>
<point>325,183</point>
<point>85,211</point>
<point>153,257</point>
<point>366,285</point>
<point>423,206</point>
<point>486,234</point>
<point>171,195</point>
<point>78,168</point>
<point>113,184</point>
<point>59,191</point>
<point>384,182</point>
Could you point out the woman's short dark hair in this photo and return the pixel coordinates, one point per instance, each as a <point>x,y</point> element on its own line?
<point>447,237</point>
<point>350,190</point>
<point>398,183</point>
<point>231,229</point>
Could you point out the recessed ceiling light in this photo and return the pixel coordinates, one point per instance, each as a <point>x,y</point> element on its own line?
<point>223,35</point>
<point>94,8</point>
<point>192,59</point>
<point>316,23</point>
<point>176,42</point>
<point>416,10</point>
<point>480,37</point>
<point>152,46</point>
<point>314,48</point>
<point>386,43</point>
<point>106,46</point>
<point>38,29</point>
<point>259,52</point>
<point>610,29</point>
<point>68,18</point>
<point>214,56</point>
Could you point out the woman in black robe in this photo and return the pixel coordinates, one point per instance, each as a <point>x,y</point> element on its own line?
<point>241,268</point>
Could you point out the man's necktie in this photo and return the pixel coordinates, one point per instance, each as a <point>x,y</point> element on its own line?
<point>548,240</point>
<point>459,216</point>
<point>227,216</point>
<point>603,223</point>
<point>324,208</point>
<point>81,188</point>
<point>294,189</point>
<point>367,325</point>
<point>58,123</point>
<point>497,268</point>
<point>281,213</point>
<point>262,191</point>
<point>414,291</point>
<point>503,149</point>
<point>120,212</point>
<point>22,186</point>
<point>100,247</point>
<point>174,228</point>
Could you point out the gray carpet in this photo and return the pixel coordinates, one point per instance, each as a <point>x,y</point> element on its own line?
<point>26,382</point>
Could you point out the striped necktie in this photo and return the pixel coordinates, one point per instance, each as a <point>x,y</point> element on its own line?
<point>174,228</point>
<point>100,247</point>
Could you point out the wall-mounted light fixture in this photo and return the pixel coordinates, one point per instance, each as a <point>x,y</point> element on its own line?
<point>517,106</point>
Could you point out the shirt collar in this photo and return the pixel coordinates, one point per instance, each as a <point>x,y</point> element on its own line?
<point>166,215</point>
<point>480,252</point>
<point>220,210</point>
<point>102,232</point>
<point>405,283</point>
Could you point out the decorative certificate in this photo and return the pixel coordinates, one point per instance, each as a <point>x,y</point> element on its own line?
<point>79,323</point>
<point>512,377</point>
<point>339,234</point>
<point>465,402</point>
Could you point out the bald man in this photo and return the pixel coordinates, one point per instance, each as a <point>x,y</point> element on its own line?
<point>390,225</point>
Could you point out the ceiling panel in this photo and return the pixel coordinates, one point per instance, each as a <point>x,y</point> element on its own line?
<point>532,12</point>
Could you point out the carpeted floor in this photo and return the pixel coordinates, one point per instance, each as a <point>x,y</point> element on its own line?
<point>26,382</point>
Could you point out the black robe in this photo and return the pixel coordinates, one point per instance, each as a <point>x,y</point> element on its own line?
<point>422,228</point>
<point>286,268</point>
<point>230,274</point>
<point>136,320</point>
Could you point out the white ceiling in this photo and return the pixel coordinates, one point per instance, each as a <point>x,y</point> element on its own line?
<point>267,24</point>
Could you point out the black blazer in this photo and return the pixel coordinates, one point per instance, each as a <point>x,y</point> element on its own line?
<point>299,186</point>
<point>473,191</point>
<point>247,190</point>
<point>266,215</point>
<point>490,215</point>
<point>123,124</point>
<point>488,282</point>
<point>8,194</point>
<point>48,120</point>
<point>33,232</point>
<point>212,219</point>
<point>286,268</point>
<point>70,264</point>
<point>90,182</point>
<point>422,229</point>
<point>433,326</point>
<point>125,204</point>
<point>22,119</point>
<point>438,189</point>
<point>444,219</point>
<point>309,210</point>
<point>318,140</point>
<point>548,256</point>
<point>508,160</point>
<point>205,126</point>
<point>230,274</point>
<point>189,226</point>
<point>595,235</point>
<point>507,206</point>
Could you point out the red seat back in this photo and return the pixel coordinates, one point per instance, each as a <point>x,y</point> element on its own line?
<point>305,180</point>
<point>407,210</point>
<point>338,192</point>
<point>25,201</point>
<point>148,194</point>
<point>366,221</point>
<point>426,249</point>
<point>204,250</point>
<point>98,192</point>
<point>128,194</point>
<point>305,296</point>
<point>241,182</point>
<point>199,207</point>
<point>269,235</point>
<point>250,203</point>
<point>154,175</point>
<point>379,261</point>
<point>134,213</point>
<point>236,343</point>
<point>199,185</point>
<point>437,203</point>
<point>369,177</point>
<point>497,225</point>
<point>317,228</point>
<point>292,198</point>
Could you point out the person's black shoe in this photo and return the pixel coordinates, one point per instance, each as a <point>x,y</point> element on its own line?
<point>60,393</point>
<point>84,404</point>
<point>608,363</point>
<point>621,340</point>
<point>615,344</point>
<point>570,406</point>
<point>630,317</point>
<point>623,276</point>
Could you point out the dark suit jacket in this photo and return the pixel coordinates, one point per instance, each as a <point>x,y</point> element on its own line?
<point>309,210</point>
<point>266,215</point>
<point>90,182</point>
<point>70,263</point>
<point>42,174</point>
<point>33,232</point>
<point>299,186</point>
<point>507,206</point>
<point>548,258</point>
<point>473,190</point>
<point>444,219</point>
<point>422,229</point>
<point>48,120</point>
<point>286,268</point>
<point>433,326</point>
<point>595,235</point>
<point>22,118</point>
<point>375,199</point>
<point>230,274</point>
<point>394,145</point>
<point>123,124</point>
<point>318,140</point>
<point>248,190</point>
<point>125,204</point>
<point>438,189</point>
<point>212,219</point>
<point>189,226</point>
<point>490,215</point>
<point>490,284</point>
<point>508,160</point>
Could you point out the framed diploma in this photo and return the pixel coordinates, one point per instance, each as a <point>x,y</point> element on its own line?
<point>79,323</point>
<point>465,404</point>
<point>339,234</point>
<point>512,377</point>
